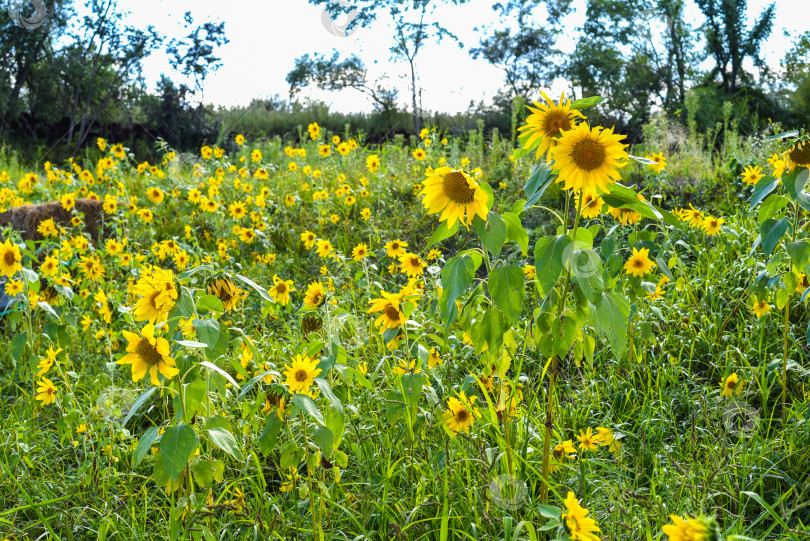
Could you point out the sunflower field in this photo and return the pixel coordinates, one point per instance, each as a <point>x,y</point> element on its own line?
<point>447,337</point>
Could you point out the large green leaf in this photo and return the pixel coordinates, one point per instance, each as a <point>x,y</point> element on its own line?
<point>516,232</point>
<point>144,444</point>
<point>457,274</point>
<point>492,328</point>
<point>305,404</point>
<point>623,197</point>
<point>226,441</point>
<point>442,232</point>
<point>611,314</point>
<point>325,440</point>
<point>772,231</point>
<point>548,260</point>
<point>176,446</point>
<point>492,232</point>
<point>505,285</point>
<point>193,394</point>
<point>799,252</point>
<point>541,178</point>
<point>765,186</point>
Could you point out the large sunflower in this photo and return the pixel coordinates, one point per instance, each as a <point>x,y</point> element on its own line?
<point>10,259</point>
<point>301,374</point>
<point>315,295</point>
<point>547,121</point>
<point>588,158</point>
<point>147,353</point>
<point>798,155</point>
<point>455,194</point>
<point>392,316</point>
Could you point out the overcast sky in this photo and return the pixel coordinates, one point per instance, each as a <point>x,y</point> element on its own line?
<point>267,36</point>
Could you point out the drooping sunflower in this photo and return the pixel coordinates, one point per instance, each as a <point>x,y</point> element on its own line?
<point>391,316</point>
<point>588,158</point>
<point>592,204</point>
<point>580,526</point>
<point>315,295</point>
<point>639,263</point>
<point>461,413</point>
<point>281,290</point>
<point>456,195</point>
<point>301,374</point>
<point>798,155</point>
<point>226,291</point>
<point>10,259</point>
<point>145,353</point>
<point>547,121</point>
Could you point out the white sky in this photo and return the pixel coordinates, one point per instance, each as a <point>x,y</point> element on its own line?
<point>267,36</point>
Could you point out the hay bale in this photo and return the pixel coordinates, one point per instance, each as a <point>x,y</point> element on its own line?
<point>27,218</point>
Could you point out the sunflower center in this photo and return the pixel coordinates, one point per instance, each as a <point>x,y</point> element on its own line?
<point>556,121</point>
<point>414,262</point>
<point>457,188</point>
<point>637,263</point>
<point>731,384</point>
<point>392,313</point>
<point>301,376</point>
<point>9,258</point>
<point>395,246</point>
<point>800,154</point>
<point>588,154</point>
<point>281,288</point>
<point>148,353</point>
<point>462,416</point>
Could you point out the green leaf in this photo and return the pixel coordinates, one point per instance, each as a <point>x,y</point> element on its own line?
<point>269,436</point>
<point>541,178</point>
<point>220,371</point>
<point>772,231</point>
<point>564,332</point>
<point>327,392</point>
<point>208,332</point>
<point>442,232</point>
<point>765,186</point>
<point>801,187</point>
<point>18,345</point>
<point>305,404</point>
<point>176,446</point>
<point>548,511</point>
<point>457,274</point>
<point>193,394</point>
<point>29,275</point>
<point>640,159</point>
<point>256,287</point>
<point>191,272</point>
<point>783,135</point>
<point>209,303</point>
<point>548,260</point>
<point>506,287</point>
<point>585,103</point>
<point>325,440</point>
<point>203,472</point>
<point>799,252</point>
<point>610,319</point>
<point>492,328</point>
<point>336,423</point>
<point>623,197</point>
<point>138,403</point>
<point>492,232</point>
<point>516,232</point>
<point>144,444</point>
<point>771,206</point>
<point>224,440</point>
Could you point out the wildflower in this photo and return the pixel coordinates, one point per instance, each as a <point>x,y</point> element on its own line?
<point>395,248</point>
<point>281,290</point>
<point>591,204</point>
<point>391,316</point>
<point>226,291</point>
<point>461,413</point>
<point>372,163</point>
<point>412,265</point>
<point>761,307</point>
<point>731,383</point>
<point>314,131</point>
<point>660,162</point>
<point>588,158</point>
<point>419,154</point>
<point>434,359</point>
<point>360,252</point>
<point>711,225</point>
<point>752,174</point>
<point>145,353</point>
<point>529,271</point>
<point>798,155</point>
<point>690,529</point>
<point>46,391</point>
<point>587,440</point>
<point>580,526</point>
<point>315,295</point>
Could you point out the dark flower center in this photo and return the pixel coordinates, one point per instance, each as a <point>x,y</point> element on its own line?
<point>588,154</point>
<point>9,258</point>
<point>554,122</point>
<point>392,313</point>
<point>457,189</point>
<point>800,153</point>
<point>301,376</point>
<point>148,353</point>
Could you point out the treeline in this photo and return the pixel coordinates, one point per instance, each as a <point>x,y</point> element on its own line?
<point>79,76</point>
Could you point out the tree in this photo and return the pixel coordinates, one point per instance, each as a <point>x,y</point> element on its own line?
<point>412,30</point>
<point>525,49</point>
<point>729,43</point>
<point>333,74</point>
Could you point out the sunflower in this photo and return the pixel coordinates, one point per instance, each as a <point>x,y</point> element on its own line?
<point>157,295</point>
<point>591,204</point>
<point>314,131</point>
<point>324,248</point>
<point>372,162</point>
<point>691,216</point>
<point>226,291</point>
<point>639,263</point>
<point>46,391</point>
<point>392,316</point>
<point>580,526</point>
<point>155,195</point>
<point>660,162</point>
<point>588,158</point>
<point>419,154</point>
<point>751,174</point>
<point>461,413</point>
<point>547,121</point>
<point>315,295</point>
<point>281,290</point>
<point>324,150</point>
<point>412,265</point>
<point>434,359</point>
<point>802,284</point>
<point>238,210</point>
<point>145,353</point>
<point>301,374</point>
<point>711,225</point>
<point>239,140</point>
<point>730,384</point>
<point>10,259</point>
<point>308,238</point>
<point>690,529</point>
<point>761,307</point>
<point>360,252</point>
<point>395,248</point>
<point>454,193</point>
<point>587,441</point>
<point>529,271</point>
<point>798,155</point>
<point>14,288</point>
